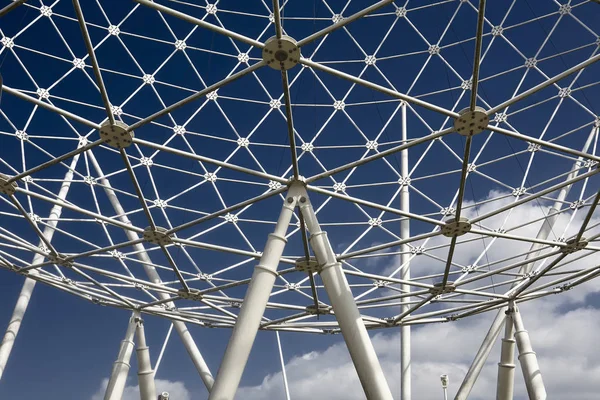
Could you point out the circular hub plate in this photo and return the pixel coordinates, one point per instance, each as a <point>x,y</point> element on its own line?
<point>456,228</point>
<point>116,135</point>
<point>471,122</point>
<point>158,236</point>
<point>281,54</point>
<point>6,187</point>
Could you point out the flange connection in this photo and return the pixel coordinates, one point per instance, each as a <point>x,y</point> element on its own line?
<point>157,236</point>
<point>281,54</point>
<point>323,309</point>
<point>452,227</point>
<point>573,245</point>
<point>471,123</point>
<point>116,135</point>
<point>310,266</point>
<point>438,288</point>
<point>192,294</point>
<point>6,187</point>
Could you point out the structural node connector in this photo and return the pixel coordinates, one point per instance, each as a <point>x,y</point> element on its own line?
<point>438,288</point>
<point>573,245</point>
<point>116,135</point>
<point>281,54</point>
<point>323,309</point>
<point>310,266</point>
<point>6,187</point>
<point>471,123</point>
<point>452,227</point>
<point>157,236</point>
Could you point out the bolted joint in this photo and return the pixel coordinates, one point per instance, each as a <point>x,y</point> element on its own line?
<point>453,227</point>
<point>192,294</point>
<point>471,123</point>
<point>281,54</point>
<point>116,135</point>
<point>309,266</point>
<point>438,288</point>
<point>321,310</point>
<point>157,236</point>
<point>6,187</point>
<point>573,245</point>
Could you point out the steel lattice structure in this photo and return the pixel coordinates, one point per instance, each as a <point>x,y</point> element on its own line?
<point>151,148</point>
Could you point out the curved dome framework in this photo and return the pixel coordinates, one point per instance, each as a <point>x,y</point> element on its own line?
<point>150,149</point>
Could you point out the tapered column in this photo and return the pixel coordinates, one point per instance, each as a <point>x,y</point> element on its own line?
<point>346,312</point>
<point>506,367</point>
<point>145,372</point>
<point>528,360</point>
<point>120,370</point>
<point>405,345</point>
<point>26,291</point>
<point>260,287</point>
<point>543,233</point>
<point>180,327</point>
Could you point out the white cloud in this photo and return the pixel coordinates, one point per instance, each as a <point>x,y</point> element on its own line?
<point>176,390</point>
<point>563,331</point>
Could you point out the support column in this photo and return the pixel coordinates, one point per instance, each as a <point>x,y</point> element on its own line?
<point>346,312</point>
<point>405,344</point>
<point>180,327</point>
<point>120,370</point>
<point>544,232</point>
<point>253,307</point>
<point>528,360</point>
<point>26,291</point>
<point>506,367</point>
<point>145,372</point>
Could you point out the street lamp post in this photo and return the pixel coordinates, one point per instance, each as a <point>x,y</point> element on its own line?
<point>444,379</point>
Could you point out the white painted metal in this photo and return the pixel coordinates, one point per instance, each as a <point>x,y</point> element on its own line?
<point>283,373</point>
<point>27,290</point>
<point>121,366</point>
<point>180,327</point>
<point>405,343</point>
<point>543,233</point>
<point>528,360</point>
<point>346,312</point>
<point>145,372</point>
<point>256,298</point>
<point>506,367</point>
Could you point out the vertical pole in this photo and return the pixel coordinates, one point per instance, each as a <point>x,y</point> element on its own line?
<point>246,327</point>
<point>405,345</point>
<point>283,374</point>
<point>26,291</point>
<point>145,372</point>
<point>544,232</point>
<point>528,360</point>
<point>120,370</point>
<point>346,312</point>
<point>506,367</point>
<point>180,327</point>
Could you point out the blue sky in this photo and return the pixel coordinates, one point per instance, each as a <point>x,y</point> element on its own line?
<point>65,339</point>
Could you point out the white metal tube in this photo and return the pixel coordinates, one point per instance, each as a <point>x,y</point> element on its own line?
<point>141,253</point>
<point>528,360</point>
<point>283,374</point>
<point>544,84</point>
<point>506,367</point>
<point>26,291</point>
<point>405,343</point>
<point>50,107</point>
<point>346,312</point>
<point>255,301</point>
<point>120,370</point>
<point>544,232</point>
<point>145,372</point>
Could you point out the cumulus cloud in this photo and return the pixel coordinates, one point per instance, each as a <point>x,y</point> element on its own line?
<point>565,344</point>
<point>176,390</point>
<point>562,330</point>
